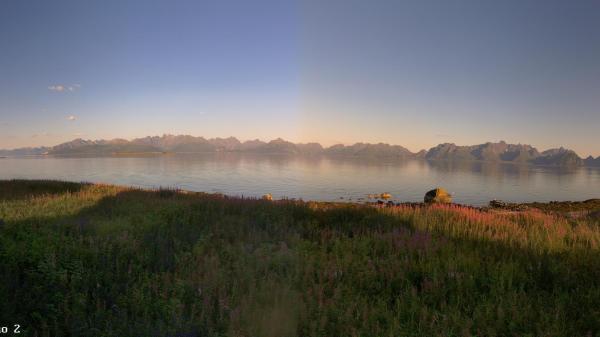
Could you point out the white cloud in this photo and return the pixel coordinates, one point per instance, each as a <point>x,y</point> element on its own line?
<point>57,87</point>
<point>79,134</point>
<point>64,87</point>
<point>71,118</point>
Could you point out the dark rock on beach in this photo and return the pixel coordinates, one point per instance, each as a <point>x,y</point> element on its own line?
<point>499,204</point>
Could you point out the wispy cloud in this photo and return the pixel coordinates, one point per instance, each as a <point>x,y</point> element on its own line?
<point>64,87</point>
<point>71,118</point>
<point>78,134</point>
<point>57,87</point>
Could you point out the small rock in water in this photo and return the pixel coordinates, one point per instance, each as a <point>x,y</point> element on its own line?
<point>384,195</point>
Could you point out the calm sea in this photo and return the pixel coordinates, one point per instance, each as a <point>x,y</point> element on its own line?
<point>325,179</point>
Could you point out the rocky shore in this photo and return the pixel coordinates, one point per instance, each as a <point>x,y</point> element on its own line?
<point>575,209</point>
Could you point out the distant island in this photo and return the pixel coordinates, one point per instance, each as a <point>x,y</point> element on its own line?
<point>501,152</point>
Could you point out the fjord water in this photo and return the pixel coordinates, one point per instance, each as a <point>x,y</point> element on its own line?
<point>317,178</point>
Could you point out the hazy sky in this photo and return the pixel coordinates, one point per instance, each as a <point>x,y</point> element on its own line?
<point>415,73</point>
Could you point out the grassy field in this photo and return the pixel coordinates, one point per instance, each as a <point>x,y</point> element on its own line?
<point>97,260</point>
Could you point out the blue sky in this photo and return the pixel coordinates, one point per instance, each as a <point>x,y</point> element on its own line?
<point>415,73</point>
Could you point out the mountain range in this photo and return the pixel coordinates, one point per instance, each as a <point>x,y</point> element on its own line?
<point>489,152</point>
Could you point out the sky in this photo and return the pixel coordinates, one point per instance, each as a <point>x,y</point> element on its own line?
<point>414,72</point>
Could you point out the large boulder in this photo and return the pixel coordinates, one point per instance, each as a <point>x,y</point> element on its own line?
<point>438,196</point>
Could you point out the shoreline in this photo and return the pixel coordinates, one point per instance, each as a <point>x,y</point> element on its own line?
<point>575,208</point>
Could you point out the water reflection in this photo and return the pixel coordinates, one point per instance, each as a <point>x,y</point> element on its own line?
<point>318,178</point>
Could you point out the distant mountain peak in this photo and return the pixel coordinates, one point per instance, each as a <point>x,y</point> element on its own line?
<point>504,152</point>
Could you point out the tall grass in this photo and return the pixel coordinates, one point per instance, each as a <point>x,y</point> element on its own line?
<point>110,261</point>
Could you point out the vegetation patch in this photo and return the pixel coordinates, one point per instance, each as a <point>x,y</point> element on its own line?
<point>97,260</point>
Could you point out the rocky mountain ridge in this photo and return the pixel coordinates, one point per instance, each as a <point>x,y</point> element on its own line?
<point>488,152</point>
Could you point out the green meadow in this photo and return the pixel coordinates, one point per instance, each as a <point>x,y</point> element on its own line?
<point>99,260</point>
